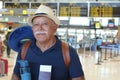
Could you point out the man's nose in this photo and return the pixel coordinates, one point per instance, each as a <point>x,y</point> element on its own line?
<point>39,26</point>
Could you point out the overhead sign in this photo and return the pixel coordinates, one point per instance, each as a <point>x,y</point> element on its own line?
<point>3,10</point>
<point>31,11</point>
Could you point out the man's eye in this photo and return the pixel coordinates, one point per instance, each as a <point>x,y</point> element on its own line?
<point>44,23</point>
<point>35,24</point>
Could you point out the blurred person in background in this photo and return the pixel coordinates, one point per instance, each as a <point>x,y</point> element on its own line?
<point>7,33</point>
<point>0,46</point>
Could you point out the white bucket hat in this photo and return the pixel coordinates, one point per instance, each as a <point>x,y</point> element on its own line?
<point>44,11</point>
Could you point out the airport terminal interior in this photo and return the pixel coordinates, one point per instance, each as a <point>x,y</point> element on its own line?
<point>84,24</point>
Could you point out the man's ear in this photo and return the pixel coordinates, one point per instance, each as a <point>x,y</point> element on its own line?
<point>55,26</point>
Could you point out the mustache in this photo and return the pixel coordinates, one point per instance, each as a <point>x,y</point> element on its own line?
<point>40,32</point>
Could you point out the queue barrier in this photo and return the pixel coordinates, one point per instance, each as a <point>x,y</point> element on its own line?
<point>112,47</point>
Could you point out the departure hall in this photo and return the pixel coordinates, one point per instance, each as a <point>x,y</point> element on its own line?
<point>91,27</point>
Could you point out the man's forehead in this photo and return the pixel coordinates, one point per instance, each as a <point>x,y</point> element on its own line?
<point>42,18</point>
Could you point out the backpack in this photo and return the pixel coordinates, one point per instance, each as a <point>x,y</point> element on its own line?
<point>65,51</point>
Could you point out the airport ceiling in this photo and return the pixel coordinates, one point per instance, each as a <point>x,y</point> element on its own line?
<point>58,0</point>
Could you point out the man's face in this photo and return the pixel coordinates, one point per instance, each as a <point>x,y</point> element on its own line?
<point>43,28</point>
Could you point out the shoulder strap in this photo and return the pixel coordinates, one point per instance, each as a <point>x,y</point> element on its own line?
<point>66,54</point>
<point>24,49</point>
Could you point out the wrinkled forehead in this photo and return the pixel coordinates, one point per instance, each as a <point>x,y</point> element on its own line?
<point>42,18</point>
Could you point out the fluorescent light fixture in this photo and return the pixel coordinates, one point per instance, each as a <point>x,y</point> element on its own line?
<point>83,21</point>
<point>63,18</point>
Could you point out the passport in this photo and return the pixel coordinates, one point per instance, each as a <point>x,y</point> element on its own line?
<point>45,72</point>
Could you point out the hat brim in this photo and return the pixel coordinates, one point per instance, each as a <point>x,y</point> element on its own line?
<point>55,19</point>
<point>18,35</point>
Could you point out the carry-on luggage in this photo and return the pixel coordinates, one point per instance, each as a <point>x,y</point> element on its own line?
<point>3,67</point>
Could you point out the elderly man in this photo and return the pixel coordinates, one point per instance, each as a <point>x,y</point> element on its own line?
<point>46,50</point>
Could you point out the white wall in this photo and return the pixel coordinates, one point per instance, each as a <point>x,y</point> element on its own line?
<point>1,4</point>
